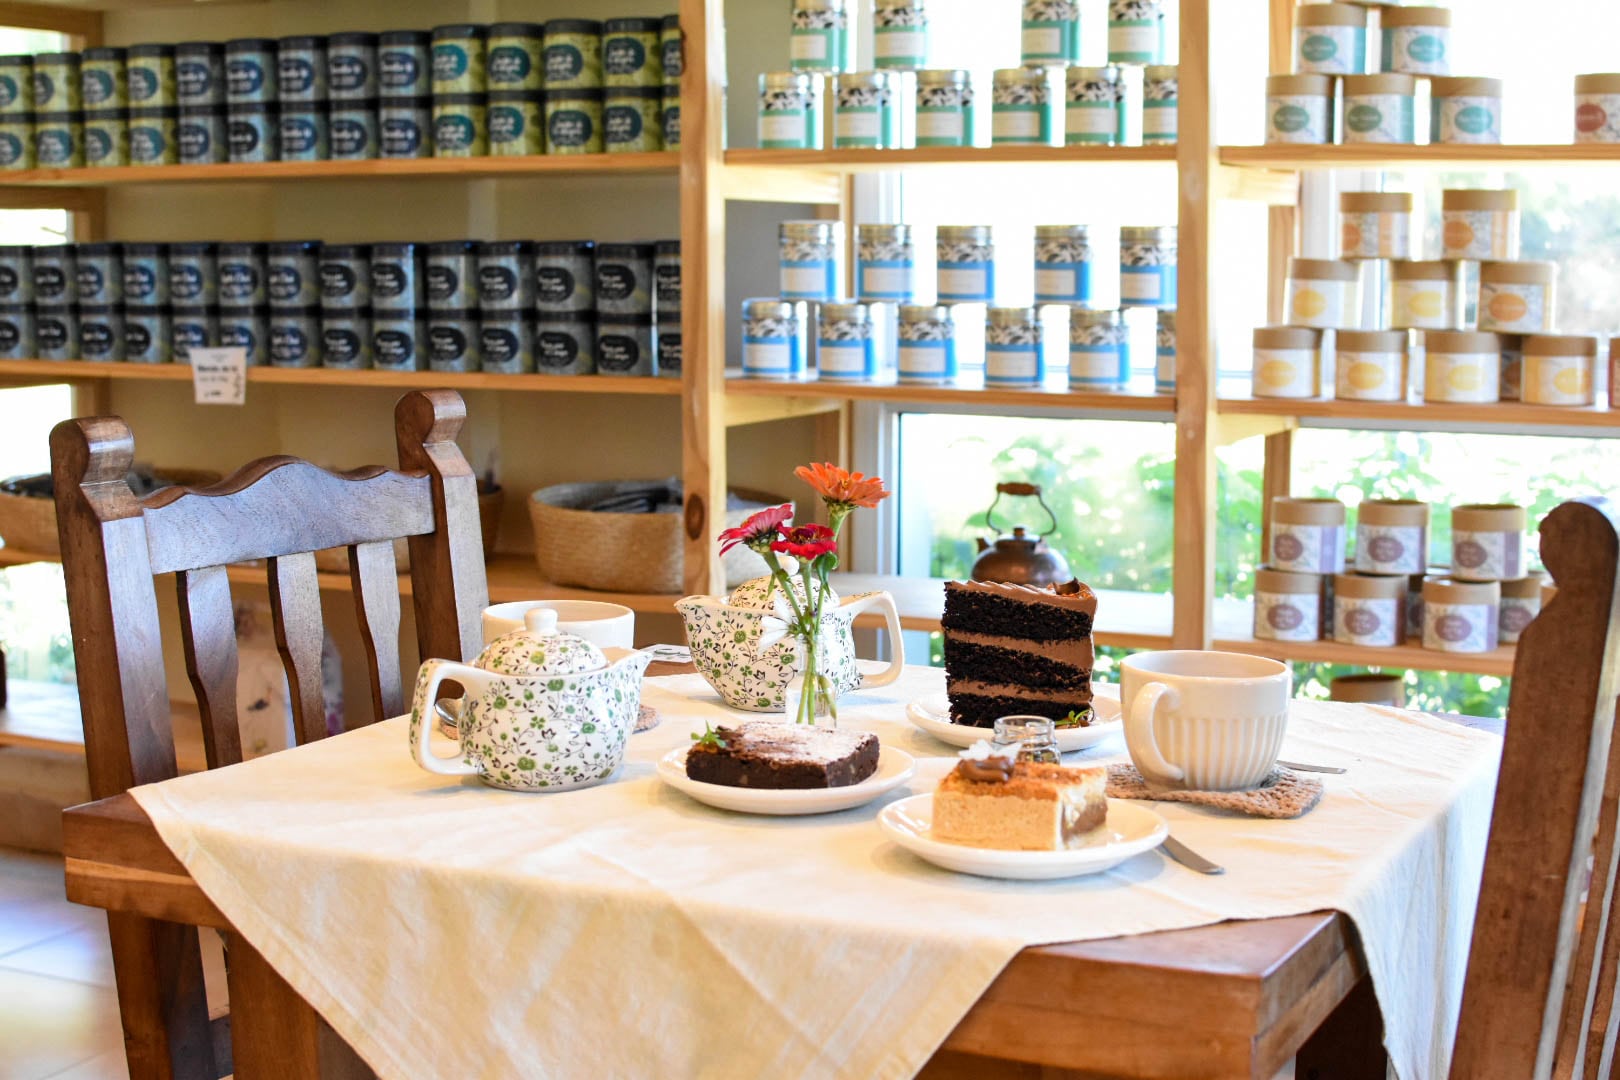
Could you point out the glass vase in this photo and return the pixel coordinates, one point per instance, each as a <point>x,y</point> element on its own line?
<point>810,697</point>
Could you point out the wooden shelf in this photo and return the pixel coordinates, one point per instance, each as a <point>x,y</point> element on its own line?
<point>42,716</point>
<point>1418,415</point>
<point>1051,396</point>
<point>1409,656</point>
<point>855,161</point>
<point>1383,155</point>
<point>76,370</point>
<point>596,165</point>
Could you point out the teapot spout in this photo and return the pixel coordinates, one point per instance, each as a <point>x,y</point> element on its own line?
<point>983,545</point>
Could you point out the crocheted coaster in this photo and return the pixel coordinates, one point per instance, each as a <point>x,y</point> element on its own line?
<point>1284,794</point>
<point>647,718</point>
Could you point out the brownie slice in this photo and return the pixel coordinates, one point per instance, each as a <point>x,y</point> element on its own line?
<point>772,754</point>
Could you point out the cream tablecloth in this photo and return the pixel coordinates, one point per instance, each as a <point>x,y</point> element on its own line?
<point>446,929</point>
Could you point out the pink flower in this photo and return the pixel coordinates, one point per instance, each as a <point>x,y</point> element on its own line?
<point>806,541</point>
<point>759,529</point>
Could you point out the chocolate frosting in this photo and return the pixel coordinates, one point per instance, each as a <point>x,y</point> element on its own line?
<point>990,770</point>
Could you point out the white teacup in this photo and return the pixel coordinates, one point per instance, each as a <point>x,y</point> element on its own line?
<point>1205,721</point>
<point>609,626</point>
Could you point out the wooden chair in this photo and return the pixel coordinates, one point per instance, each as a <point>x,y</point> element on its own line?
<point>1540,999</point>
<point>281,510</point>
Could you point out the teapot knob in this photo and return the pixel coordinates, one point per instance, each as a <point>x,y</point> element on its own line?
<point>540,620</point>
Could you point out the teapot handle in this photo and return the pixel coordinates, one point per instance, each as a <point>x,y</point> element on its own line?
<point>433,673</point>
<point>854,605</point>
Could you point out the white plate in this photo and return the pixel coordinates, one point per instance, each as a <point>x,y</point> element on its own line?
<point>894,768</point>
<point>1130,830</point>
<point>933,713</point>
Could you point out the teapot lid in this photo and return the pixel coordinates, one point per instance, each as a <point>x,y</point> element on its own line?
<point>538,649</point>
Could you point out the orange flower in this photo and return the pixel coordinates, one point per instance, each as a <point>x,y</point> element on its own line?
<point>840,486</point>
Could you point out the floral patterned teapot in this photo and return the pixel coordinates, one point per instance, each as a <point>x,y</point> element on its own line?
<point>737,645</point>
<point>544,711</point>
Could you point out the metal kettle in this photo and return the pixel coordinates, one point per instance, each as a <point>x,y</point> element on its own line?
<point>1020,559</point>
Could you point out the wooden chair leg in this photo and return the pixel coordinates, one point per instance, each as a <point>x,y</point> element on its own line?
<point>1350,1043</point>
<point>158,967</point>
<point>277,1035</point>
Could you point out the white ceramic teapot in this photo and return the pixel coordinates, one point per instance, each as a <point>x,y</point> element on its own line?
<point>724,635</point>
<point>543,711</point>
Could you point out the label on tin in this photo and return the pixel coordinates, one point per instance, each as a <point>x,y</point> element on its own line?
<point>669,352</point>
<point>1307,549</point>
<point>187,281</point>
<point>92,284</point>
<point>50,281</point>
<point>297,76</point>
<point>12,149</point>
<point>98,145</point>
<point>564,63</point>
<point>555,349</point>
<point>449,62</point>
<point>508,64</point>
<point>341,347</point>
<point>615,282</point>
<point>100,340</point>
<point>299,135</point>
<point>140,282</point>
<point>10,280</point>
<point>350,138</point>
<point>401,137</point>
<point>570,127</point>
<point>622,56</point>
<point>1018,123</point>
<point>193,80</point>
<point>388,280</point>
<point>218,376</point>
<point>945,124</point>
<point>622,124</point>
<point>1368,620</point>
<point>239,335</point>
<point>144,84</point>
<point>245,139</point>
<point>502,346</point>
<point>11,337</point>
<point>9,91</point>
<point>196,141</point>
<point>964,282</point>
<point>506,124</point>
<point>1287,616</point>
<point>347,73</point>
<point>555,284</point>
<point>498,284</point>
<point>244,77</point>
<point>54,146</point>
<point>453,131</point>
<point>286,282</point>
<point>442,281</point>
<point>394,348</point>
<point>338,281</point>
<point>1460,627</point>
<point>398,70</point>
<point>885,282</point>
<point>1487,556</point>
<point>447,344</point>
<point>1012,365</point>
<point>290,345</point>
<point>97,87</point>
<point>619,353</point>
<point>845,359</point>
<point>667,284</point>
<point>1391,549</point>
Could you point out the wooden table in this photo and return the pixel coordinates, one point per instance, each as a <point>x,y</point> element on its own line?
<point>1237,999</point>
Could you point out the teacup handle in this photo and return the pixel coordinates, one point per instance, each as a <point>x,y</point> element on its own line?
<point>891,618</point>
<point>1139,738</point>
<point>435,672</point>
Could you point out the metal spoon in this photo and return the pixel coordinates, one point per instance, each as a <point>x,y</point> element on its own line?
<point>1298,767</point>
<point>1189,858</point>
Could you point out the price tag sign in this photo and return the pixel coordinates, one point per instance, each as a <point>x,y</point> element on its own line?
<point>219,376</point>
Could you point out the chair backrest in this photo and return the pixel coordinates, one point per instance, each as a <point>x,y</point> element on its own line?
<point>281,510</point>
<point>1539,997</point>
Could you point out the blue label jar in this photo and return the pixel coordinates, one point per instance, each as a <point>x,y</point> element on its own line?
<point>1147,266</point>
<point>293,277</point>
<point>809,260</point>
<point>1097,350</point>
<point>927,344</point>
<point>193,328</point>
<point>301,70</point>
<point>295,336</point>
<point>1014,349</point>
<point>353,131</point>
<point>243,275</point>
<point>201,136</point>
<point>148,335</point>
<point>1063,264</point>
<point>99,273</point>
<point>845,350</point>
<point>248,329</point>
<point>101,332</point>
<point>146,275</point>
<point>199,73</point>
<point>345,276</point>
<point>885,263</point>
<point>56,333</point>
<point>304,136</point>
<point>351,67</point>
<point>625,346</point>
<point>193,274</point>
<point>250,71</point>
<point>773,334</point>
<point>966,264</point>
<point>403,125</point>
<point>253,133</point>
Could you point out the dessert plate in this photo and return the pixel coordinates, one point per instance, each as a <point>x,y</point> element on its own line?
<point>933,715</point>
<point>1130,830</point>
<point>894,768</point>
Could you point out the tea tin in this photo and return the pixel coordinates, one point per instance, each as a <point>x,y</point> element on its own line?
<point>101,332</point>
<point>451,269</point>
<point>506,276</point>
<point>99,273</point>
<point>301,72</point>
<point>667,280</point>
<point>820,40</point>
<point>404,127</point>
<point>55,274</point>
<point>458,59</point>
<point>1094,106</point>
<point>506,342</point>
<point>573,54</point>
<point>565,276</point>
<point>193,275</point>
<point>199,73</point>
<point>396,283</point>
<point>252,72</point>
<point>1063,264</point>
<point>1147,266</point>
<point>517,124</point>
<point>200,135</point>
<point>453,340</point>
<point>926,345</point>
<point>630,52</point>
<point>248,329</point>
<point>148,335</point>
<point>789,111</point>
<point>672,55</point>
<point>1022,111</point>
<point>146,275</point>
<point>404,64</point>
<point>1097,350</point>
<point>192,328</point>
<point>294,273</point>
<point>59,140</point>
<point>900,33</point>
<point>17,332</point>
<point>352,130</point>
<point>16,86</point>
<point>149,76</point>
<point>16,274</point>
<point>574,121</point>
<point>1136,31</point>
<point>244,275</point>
<point>885,263</point>
<point>1014,349</point>
<point>17,141</point>
<point>625,345</point>
<point>565,344</point>
<point>351,66</point>
<point>56,332</point>
<point>57,83</point>
<point>253,133</point>
<point>295,337</point>
<point>515,58</point>
<point>669,349</point>
<point>944,108</point>
<point>845,350</point>
<point>102,81</point>
<point>865,112</point>
<point>345,276</point>
<point>106,138</point>
<point>632,120</point>
<point>624,280</point>
<point>965,257</point>
<point>773,337</point>
<point>304,135</point>
<point>346,338</point>
<point>1051,32</point>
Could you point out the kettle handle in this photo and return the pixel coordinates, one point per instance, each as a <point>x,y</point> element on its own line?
<point>854,605</point>
<point>435,672</point>
<point>1014,487</point>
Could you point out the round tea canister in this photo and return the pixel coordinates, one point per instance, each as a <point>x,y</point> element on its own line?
<point>630,52</point>
<point>293,273</point>
<point>1307,535</point>
<point>200,135</point>
<point>574,122</point>
<point>1136,31</point>
<point>199,73</point>
<point>404,63</point>
<point>624,279</point>
<point>1487,542</point>
<point>671,52</point>
<point>398,341</point>
<point>1014,352</point>
<point>1097,350</point>
<point>101,332</point>
<point>1161,100</point>
<point>102,83</point>
<point>248,329</point>
<point>1380,108</point>
<point>820,40</point>
<point>885,263</point>
<point>1479,224</point>
<point>944,108</point>
<point>146,275</point>
<point>1287,362</point>
<point>1022,110</point>
<point>1392,537</point>
<point>506,276</point>
<point>244,275</point>
<point>57,82</point>
<point>632,120</point>
<point>927,344</point>
<point>1287,606</point>
<point>300,72</point>
<point>352,130</point>
<point>900,31</point>
<point>56,332</point>
<point>17,141</point>
<point>1465,110</point>
<point>149,75</point>
<point>1521,603</point>
<point>351,66</point>
<point>17,85</point>
<point>451,271</point>
<point>461,127</point>
<point>505,342</point>
<point>1330,39</point>
<point>1299,109</point>
<point>1462,367</point>
<point>844,347</point>
<point>17,332</point>
<point>1094,106</point>
<point>1147,266</point>
<point>1051,32</point>
<point>1324,293</point>
<point>1375,224</point>
<point>99,273</point>
<point>1597,108</point>
<point>345,275</point>
<point>865,113</point>
<point>453,340</point>
<point>667,280</point>
<point>148,335</point>
<point>573,54</point>
<point>345,338</point>
<point>1063,264</point>
<point>1164,353</point>
<point>669,349</point>
<point>193,274</point>
<point>809,262</point>
<point>965,263</point>
<point>55,273</point>
<point>789,113</point>
<point>295,337</point>
<point>1425,295</point>
<point>458,59</point>
<point>514,58</point>
<point>59,140</point>
<point>1461,616</point>
<point>1370,365</point>
<point>1369,689</point>
<point>404,127</point>
<point>251,71</point>
<point>565,276</point>
<point>1559,369</point>
<point>1417,40</point>
<point>106,137</point>
<point>16,273</point>
<point>303,134</point>
<point>625,345</point>
<point>193,328</point>
<point>566,344</point>
<point>1517,297</point>
<point>1369,611</point>
<point>396,281</point>
<point>773,335</point>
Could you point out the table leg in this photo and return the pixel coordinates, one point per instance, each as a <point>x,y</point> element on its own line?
<point>277,1035</point>
<point>1350,1043</point>
<point>161,999</point>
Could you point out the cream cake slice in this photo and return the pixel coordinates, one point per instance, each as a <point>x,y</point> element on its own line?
<point>1022,806</point>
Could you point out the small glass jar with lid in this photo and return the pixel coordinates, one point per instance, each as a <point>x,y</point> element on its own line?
<point>927,344</point>
<point>789,111</point>
<point>1161,102</point>
<point>821,40</point>
<point>773,338</point>
<point>944,108</point>
<point>866,115</point>
<point>1034,736</point>
<point>1136,31</point>
<point>1094,106</point>
<point>1164,353</point>
<point>885,263</point>
<point>1063,264</point>
<point>1051,32</point>
<point>900,30</point>
<point>1022,108</point>
<point>1097,352</point>
<point>1147,266</point>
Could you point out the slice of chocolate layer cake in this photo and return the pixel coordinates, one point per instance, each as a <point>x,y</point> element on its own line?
<point>1017,650</point>
<point>774,754</point>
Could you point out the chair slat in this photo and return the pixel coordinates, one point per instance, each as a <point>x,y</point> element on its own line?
<point>295,605</point>
<point>208,630</point>
<point>376,601</point>
<point>1583,993</point>
<point>1604,1023</point>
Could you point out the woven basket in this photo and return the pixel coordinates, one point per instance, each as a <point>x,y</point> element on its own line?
<point>615,552</point>
<point>28,522</point>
